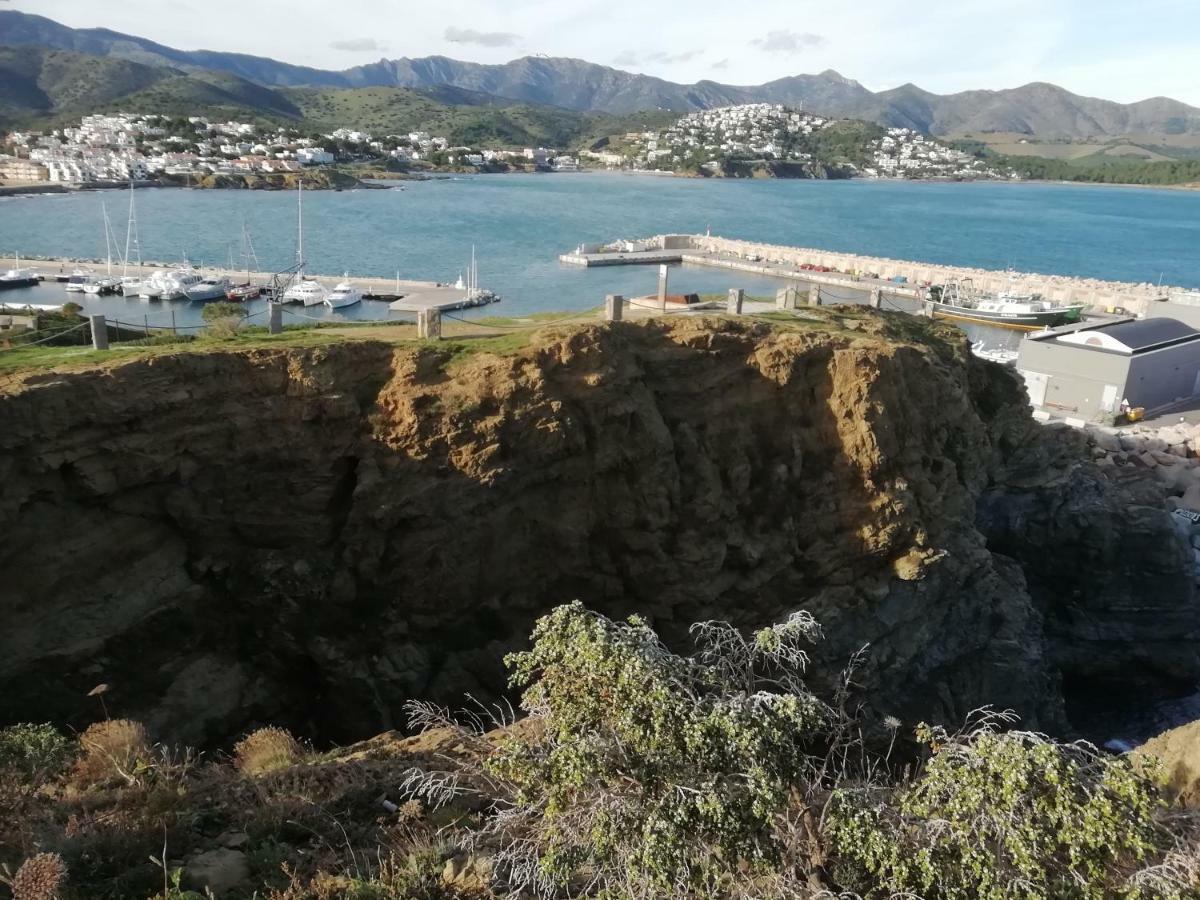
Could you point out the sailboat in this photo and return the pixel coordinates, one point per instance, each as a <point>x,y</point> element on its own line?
<point>246,290</point>
<point>131,285</point>
<point>475,295</point>
<point>306,290</point>
<point>104,284</point>
<point>18,278</point>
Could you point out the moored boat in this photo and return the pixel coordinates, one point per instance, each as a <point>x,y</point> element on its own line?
<point>307,292</point>
<point>344,294</point>
<point>242,292</point>
<point>1007,309</point>
<point>77,279</point>
<point>19,277</point>
<point>207,289</point>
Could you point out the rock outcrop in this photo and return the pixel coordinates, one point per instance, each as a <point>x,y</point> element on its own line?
<point>313,536</point>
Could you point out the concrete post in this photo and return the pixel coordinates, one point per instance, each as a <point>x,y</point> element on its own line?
<point>662,286</point>
<point>274,318</point>
<point>876,298</point>
<point>614,306</point>
<point>736,298</point>
<point>814,295</point>
<point>99,332</point>
<point>429,324</point>
<point>928,309</point>
<point>785,298</point>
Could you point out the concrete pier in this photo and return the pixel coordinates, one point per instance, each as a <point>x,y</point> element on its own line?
<point>892,277</point>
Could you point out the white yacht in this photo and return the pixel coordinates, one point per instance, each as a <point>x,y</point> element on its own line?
<point>344,294</point>
<point>208,289</point>
<point>77,280</point>
<point>306,291</point>
<point>172,284</point>
<point>102,284</point>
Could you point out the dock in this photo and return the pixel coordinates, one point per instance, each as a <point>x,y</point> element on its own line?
<point>902,278</point>
<point>405,295</point>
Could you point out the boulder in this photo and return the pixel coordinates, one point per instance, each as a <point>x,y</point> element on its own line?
<point>1106,440</point>
<point>1131,443</point>
<point>1155,444</point>
<point>1177,754</point>
<point>219,871</point>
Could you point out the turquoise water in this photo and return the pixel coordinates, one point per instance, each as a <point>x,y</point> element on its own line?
<point>520,224</point>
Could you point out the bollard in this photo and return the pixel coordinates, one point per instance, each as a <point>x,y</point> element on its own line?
<point>274,318</point>
<point>734,305</point>
<point>876,298</point>
<point>662,287</point>
<point>614,306</point>
<point>99,332</point>
<point>814,295</point>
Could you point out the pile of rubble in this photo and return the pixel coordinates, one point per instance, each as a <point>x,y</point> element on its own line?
<point>1171,454</point>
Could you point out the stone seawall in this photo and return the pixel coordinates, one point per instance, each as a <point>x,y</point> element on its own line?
<point>1100,295</point>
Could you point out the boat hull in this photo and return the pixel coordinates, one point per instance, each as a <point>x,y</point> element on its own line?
<point>11,283</point>
<point>1034,321</point>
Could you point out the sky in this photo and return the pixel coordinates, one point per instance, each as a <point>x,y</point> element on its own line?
<point>1102,48</point>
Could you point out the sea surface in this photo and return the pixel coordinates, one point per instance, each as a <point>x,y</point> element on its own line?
<point>519,224</point>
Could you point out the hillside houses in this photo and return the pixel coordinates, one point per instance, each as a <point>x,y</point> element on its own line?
<point>905,153</point>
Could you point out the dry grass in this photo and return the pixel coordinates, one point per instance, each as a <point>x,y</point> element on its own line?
<point>113,748</point>
<point>267,750</point>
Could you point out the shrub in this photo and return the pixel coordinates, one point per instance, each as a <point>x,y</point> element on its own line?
<point>999,815</point>
<point>223,318</point>
<point>40,877</point>
<point>655,774</point>
<point>34,753</point>
<point>114,747</point>
<point>267,750</point>
<point>71,310</point>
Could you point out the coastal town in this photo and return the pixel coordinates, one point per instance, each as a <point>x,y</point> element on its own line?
<point>119,148</point>
<point>122,148</point>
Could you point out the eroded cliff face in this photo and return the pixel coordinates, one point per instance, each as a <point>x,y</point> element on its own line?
<point>314,536</point>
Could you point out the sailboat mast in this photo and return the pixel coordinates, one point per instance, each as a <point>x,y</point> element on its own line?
<point>128,233</point>
<point>107,237</point>
<point>300,226</point>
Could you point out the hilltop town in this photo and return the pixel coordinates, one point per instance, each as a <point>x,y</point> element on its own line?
<point>774,137</point>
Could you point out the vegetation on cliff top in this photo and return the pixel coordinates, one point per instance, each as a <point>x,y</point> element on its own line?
<point>636,772</point>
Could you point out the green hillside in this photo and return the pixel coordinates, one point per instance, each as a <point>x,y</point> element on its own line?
<point>51,88</point>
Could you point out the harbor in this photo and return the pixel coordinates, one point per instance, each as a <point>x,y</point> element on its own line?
<point>411,295</point>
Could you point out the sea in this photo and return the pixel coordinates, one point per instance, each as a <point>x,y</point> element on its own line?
<point>518,225</point>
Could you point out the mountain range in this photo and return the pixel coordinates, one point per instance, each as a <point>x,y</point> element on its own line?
<point>1037,109</point>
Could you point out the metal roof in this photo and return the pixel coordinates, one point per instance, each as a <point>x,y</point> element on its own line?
<point>1146,333</point>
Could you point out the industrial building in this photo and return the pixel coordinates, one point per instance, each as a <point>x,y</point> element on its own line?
<point>1087,371</point>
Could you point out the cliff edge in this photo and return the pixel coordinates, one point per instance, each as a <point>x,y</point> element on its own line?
<point>313,536</point>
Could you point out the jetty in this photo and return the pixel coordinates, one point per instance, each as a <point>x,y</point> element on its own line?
<point>901,278</point>
<point>405,295</point>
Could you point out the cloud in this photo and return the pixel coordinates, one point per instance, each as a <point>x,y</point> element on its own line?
<point>788,42</point>
<point>359,45</point>
<point>483,38</point>
<point>634,58</point>
<point>721,64</point>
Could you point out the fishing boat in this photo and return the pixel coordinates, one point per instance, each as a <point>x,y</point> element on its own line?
<point>18,277</point>
<point>207,289</point>
<point>239,293</point>
<point>306,290</point>
<point>344,294</point>
<point>958,302</point>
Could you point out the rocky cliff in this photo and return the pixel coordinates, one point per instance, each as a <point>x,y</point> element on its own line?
<point>313,536</point>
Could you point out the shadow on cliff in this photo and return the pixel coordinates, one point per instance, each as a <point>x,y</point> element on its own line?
<point>340,530</point>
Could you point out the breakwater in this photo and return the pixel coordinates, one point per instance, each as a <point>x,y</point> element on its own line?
<point>824,266</point>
